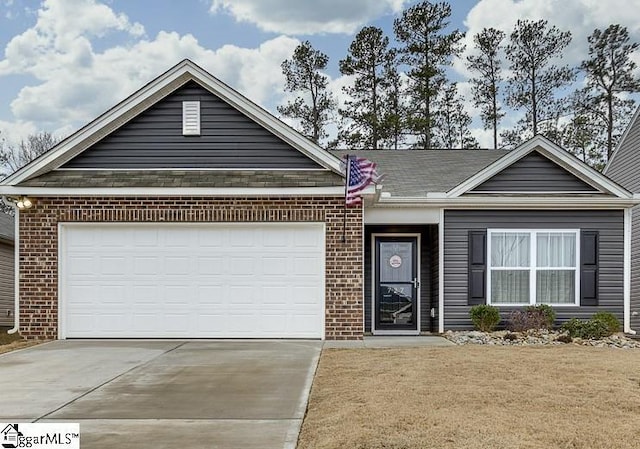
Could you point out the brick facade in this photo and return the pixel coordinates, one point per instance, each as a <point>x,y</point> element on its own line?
<point>39,246</point>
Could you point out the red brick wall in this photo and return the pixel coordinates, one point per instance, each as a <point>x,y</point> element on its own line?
<point>39,246</point>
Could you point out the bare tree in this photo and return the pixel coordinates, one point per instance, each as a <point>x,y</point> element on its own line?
<point>14,157</point>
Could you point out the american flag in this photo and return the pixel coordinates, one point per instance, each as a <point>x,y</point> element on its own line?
<point>360,174</point>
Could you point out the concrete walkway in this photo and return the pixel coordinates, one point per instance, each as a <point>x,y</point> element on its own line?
<point>390,342</point>
<point>164,394</point>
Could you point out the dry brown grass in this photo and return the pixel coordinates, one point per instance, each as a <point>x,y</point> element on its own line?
<point>475,397</point>
<point>11,342</point>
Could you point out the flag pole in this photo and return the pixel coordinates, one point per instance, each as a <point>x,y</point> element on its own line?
<point>346,190</point>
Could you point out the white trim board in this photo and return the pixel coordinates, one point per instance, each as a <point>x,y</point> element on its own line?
<point>150,94</point>
<point>441,272</point>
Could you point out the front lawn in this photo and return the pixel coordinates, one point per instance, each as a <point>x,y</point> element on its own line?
<point>475,397</point>
<point>11,342</point>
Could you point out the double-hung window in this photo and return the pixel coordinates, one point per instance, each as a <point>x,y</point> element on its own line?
<point>533,267</point>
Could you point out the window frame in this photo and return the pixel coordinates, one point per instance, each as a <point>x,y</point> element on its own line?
<point>533,267</point>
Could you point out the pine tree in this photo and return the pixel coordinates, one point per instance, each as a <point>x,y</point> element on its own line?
<point>314,106</point>
<point>609,71</point>
<point>427,49</point>
<point>368,61</point>
<point>452,122</point>
<point>485,87</point>
<point>534,79</point>
<point>394,111</point>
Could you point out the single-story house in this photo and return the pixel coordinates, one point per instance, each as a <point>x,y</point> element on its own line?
<point>624,168</point>
<point>7,270</point>
<point>187,211</point>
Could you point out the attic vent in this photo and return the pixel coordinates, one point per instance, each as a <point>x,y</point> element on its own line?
<point>191,118</point>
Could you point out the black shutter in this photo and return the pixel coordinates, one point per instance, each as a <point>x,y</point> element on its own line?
<point>589,268</point>
<point>477,267</point>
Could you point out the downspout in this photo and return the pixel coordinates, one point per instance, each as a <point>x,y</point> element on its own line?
<point>16,261</point>
<point>627,272</point>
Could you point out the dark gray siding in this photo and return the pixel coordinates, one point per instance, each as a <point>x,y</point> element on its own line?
<point>534,173</point>
<point>458,223</point>
<point>428,239</point>
<point>6,283</point>
<point>624,169</point>
<point>154,139</point>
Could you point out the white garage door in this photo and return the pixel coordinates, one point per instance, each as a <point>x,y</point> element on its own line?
<point>192,281</point>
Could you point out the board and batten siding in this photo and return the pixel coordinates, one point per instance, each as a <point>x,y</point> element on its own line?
<point>534,173</point>
<point>7,284</point>
<point>228,140</point>
<point>458,223</point>
<point>428,297</point>
<point>625,170</point>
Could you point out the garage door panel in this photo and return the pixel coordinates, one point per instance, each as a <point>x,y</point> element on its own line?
<point>214,281</point>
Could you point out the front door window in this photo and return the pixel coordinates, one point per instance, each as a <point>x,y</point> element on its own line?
<point>396,283</point>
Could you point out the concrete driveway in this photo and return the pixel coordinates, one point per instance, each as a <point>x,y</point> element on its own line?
<point>164,394</point>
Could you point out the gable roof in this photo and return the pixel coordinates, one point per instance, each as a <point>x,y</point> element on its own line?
<point>155,139</point>
<point>534,173</point>
<point>149,95</point>
<point>7,227</point>
<point>415,173</point>
<point>624,164</point>
<point>551,151</point>
<point>441,178</point>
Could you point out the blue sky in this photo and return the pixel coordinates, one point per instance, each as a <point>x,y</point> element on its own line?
<point>63,62</point>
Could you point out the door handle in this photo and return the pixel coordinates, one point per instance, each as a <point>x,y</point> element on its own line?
<point>415,282</point>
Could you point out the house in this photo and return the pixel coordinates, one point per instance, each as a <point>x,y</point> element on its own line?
<point>623,167</point>
<point>186,211</point>
<point>10,435</point>
<point>7,270</point>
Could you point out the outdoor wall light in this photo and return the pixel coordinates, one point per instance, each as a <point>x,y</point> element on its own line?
<point>22,203</point>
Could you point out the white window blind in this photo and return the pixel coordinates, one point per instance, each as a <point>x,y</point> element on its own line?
<point>191,118</point>
<point>533,266</point>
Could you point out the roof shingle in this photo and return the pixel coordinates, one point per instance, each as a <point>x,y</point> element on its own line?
<point>413,173</point>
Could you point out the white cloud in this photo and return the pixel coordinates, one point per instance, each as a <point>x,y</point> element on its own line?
<point>73,83</point>
<point>304,17</point>
<point>12,133</point>
<point>580,17</point>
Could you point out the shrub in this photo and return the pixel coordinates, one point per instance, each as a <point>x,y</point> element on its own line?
<point>587,330</point>
<point>609,319</point>
<point>485,317</point>
<point>532,317</point>
<point>564,338</point>
<point>510,337</point>
<point>548,314</point>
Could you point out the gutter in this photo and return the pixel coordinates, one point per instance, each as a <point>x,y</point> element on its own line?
<point>510,202</point>
<point>627,272</point>
<point>16,261</point>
